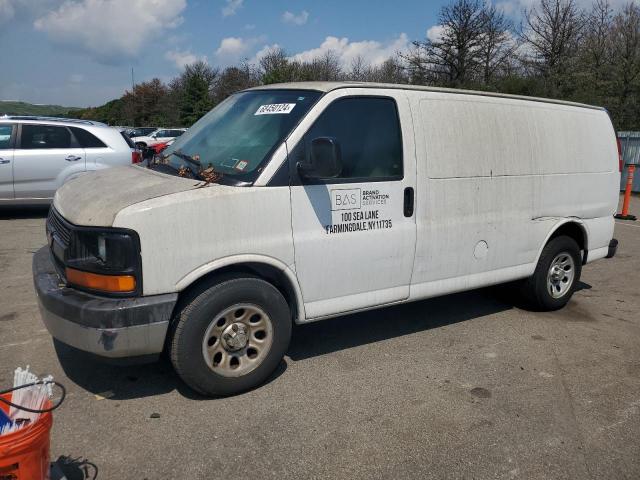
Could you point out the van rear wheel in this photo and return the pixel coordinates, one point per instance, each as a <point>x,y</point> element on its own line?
<point>556,275</point>
<point>231,336</point>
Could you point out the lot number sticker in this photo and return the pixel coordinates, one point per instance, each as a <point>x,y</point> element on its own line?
<point>274,108</point>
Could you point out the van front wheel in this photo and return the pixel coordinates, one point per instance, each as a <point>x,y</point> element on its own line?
<point>231,336</point>
<point>556,276</point>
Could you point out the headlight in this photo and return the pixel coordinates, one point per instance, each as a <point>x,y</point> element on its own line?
<point>104,260</point>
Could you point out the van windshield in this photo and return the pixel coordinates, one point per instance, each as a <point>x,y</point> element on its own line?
<point>238,136</point>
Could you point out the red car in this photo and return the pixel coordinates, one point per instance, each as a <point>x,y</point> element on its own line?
<point>158,147</point>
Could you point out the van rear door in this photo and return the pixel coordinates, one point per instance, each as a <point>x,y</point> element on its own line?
<point>355,235</point>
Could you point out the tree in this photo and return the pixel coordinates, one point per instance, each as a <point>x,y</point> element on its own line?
<point>469,47</point>
<point>142,105</point>
<point>323,68</point>
<point>559,51</point>
<point>551,35</point>
<point>197,81</point>
<point>626,65</point>
<point>452,57</point>
<point>496,46</point>
<point>389,71</point>
<point>276,67</point>
<point>234,79</point>
<point>594,54</point>
<point>360,71</point>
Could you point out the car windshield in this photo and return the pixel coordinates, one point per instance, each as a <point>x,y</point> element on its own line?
<point>241,133</point>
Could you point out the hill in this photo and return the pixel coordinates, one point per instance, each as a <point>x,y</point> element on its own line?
<point>23,108</point>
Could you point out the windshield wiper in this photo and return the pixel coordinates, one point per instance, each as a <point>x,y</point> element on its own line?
<point>181,170</point>
<point>185,157</point>
<point>208,175</point>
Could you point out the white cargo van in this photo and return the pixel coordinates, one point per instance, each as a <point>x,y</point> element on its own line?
<point>297,202</point>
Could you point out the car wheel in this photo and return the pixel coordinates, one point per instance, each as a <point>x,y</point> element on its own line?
<point>556,275</point>
<point>231,336</point>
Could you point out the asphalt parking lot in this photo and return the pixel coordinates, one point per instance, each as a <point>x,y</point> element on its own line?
<point>463,386</point>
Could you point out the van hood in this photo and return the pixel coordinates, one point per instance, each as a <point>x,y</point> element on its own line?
<point>94,199</point>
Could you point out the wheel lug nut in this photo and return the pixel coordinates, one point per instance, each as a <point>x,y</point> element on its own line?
<point>234,327</point>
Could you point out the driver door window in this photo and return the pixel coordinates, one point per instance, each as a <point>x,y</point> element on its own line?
<point>368,132</point>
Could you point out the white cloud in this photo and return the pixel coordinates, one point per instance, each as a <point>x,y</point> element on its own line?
<point>262,52</point>
<point>292,18</point>
<point>231,7</point>
<point>101,28</point>
<point>234,49</point>
<point>371,51</point>
<point>232,46</point>
<point>182,58</point>
<point>435,33</point>
<point>7,11</point>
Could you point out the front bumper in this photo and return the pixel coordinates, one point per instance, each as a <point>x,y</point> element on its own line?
<point>108,327</point>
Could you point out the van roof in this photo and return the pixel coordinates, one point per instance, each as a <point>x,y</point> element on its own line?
<point>329,86</point>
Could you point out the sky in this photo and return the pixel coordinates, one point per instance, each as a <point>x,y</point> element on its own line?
<point>81,52</point>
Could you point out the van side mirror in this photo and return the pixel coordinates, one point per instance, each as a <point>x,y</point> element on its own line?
<point>325,160</point>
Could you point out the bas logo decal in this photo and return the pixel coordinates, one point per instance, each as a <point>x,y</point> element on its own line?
<point>346,199</point>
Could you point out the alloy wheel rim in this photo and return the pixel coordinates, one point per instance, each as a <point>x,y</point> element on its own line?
<point>237,340</point>
<point>561,274</point>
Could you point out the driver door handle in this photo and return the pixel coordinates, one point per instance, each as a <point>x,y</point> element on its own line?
<point>408,201</point>
<point>3,161</point>
<point>73,158</point>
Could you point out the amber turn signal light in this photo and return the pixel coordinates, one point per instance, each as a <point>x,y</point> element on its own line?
<point>104,283</point>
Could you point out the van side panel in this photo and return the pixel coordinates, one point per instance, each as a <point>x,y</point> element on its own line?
<point>496,176</point>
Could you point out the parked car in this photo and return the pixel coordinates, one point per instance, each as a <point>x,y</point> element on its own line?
<point>39,154</point>
<point>162,135</point>
<point>140,131</point>
<point>306,201</point>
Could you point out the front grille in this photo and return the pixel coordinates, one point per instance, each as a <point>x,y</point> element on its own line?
<point>56,224</point>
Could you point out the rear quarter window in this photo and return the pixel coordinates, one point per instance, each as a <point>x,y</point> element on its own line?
<point>87,139</point>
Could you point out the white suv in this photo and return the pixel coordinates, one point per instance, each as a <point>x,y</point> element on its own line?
<point>161,135</point>
<point>39,154</point>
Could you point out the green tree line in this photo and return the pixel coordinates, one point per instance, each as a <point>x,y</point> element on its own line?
<point>558,50</point>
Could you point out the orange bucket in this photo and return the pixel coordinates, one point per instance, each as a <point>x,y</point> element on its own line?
<point>24,454</point>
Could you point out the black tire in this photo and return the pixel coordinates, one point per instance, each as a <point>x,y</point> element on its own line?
<point>196,316</point>
<point>535,288</point>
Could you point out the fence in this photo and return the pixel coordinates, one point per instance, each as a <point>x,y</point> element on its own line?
<point>630,142</point>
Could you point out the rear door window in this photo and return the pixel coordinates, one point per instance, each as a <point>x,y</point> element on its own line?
<point>36,137</point>
<point>5,136</point>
